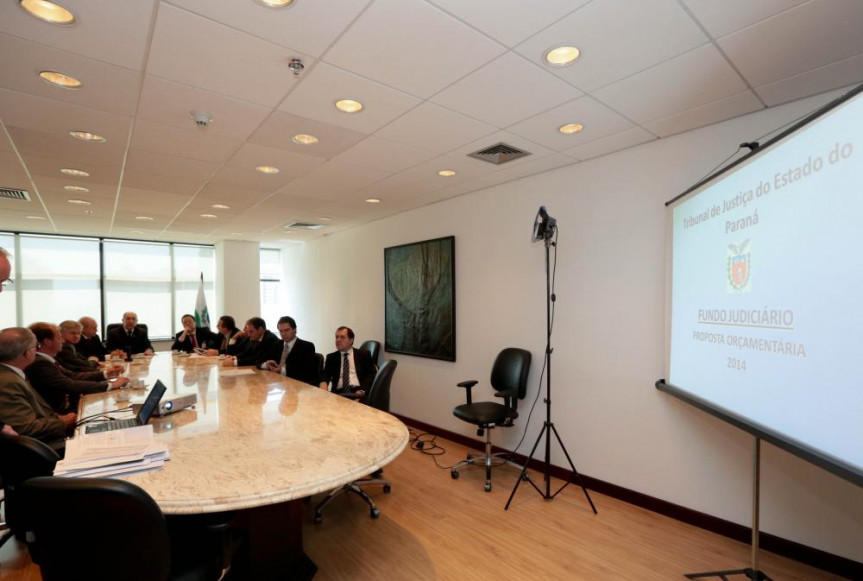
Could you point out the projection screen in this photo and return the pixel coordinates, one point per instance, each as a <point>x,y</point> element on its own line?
<point>766,279</point>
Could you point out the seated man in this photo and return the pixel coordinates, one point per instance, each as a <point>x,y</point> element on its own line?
<point>348,370</point>
<point>90,345</point>
<point>259,347</point>
<point>193,337</point>
<point>58,386</point>
<point>131,338</point>
<point>68,356</point>
<point>20,406</point>
<point>294,357</point>
<point>233,341</point>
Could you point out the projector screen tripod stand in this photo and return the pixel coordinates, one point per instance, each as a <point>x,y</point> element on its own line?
<point>545,229</point>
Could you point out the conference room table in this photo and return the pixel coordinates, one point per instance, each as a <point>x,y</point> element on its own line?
<point>256,443</point>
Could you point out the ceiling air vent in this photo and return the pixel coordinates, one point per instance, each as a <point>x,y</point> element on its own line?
<point>499,153</point>
<point>303,226</point>
<point>14,194</point>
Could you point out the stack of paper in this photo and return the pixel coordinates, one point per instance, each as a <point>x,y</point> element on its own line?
<point>119,452</point>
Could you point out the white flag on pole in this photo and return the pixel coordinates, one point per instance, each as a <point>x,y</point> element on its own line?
<point>202,315</point>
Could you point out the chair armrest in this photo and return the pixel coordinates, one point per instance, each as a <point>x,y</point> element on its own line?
<point>468,385</point>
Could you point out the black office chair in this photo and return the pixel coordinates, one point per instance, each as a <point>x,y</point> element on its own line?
<point>21,458</point>
<point>377,397</point>
<point>112,326</point>
<point>509,379</point>
<point>117,520</point>
<point>321,362</point>
<point>374,349</point>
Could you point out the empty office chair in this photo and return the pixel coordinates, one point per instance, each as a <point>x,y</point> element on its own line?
<point>117,524</point>
<point>377,397</point>
<point>374,349</point>
<point>509,379</point>
<point>21,458</point>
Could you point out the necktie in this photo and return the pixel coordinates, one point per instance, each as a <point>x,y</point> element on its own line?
<point>194,341</point>
<point>285,351</point>
<point>346,371</point>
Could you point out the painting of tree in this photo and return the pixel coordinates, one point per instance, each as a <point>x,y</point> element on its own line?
<point>420,298</point>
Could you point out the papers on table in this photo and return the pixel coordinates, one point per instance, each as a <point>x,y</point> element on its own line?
<point>114,453</point>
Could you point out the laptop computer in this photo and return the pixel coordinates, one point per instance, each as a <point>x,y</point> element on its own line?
<point>144,414</point>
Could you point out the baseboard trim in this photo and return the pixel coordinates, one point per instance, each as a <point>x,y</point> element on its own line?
<point>829,562</point>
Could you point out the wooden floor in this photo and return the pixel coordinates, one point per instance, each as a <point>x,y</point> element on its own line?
<point>433,527</point>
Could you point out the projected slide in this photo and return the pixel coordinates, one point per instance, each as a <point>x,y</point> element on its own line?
<point>767,288</point>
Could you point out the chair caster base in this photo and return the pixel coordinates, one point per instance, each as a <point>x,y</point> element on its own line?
<point>375,513</point>
<point>453,474</point>
<point>487,487</point>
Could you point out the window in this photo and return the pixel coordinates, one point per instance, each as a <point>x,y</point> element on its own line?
<point>59,278</point>
<point>189,263</point>
<point>272,306</point>
<point>138,278</point>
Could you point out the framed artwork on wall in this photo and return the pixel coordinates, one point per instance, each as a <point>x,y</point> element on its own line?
<point>419,296</point>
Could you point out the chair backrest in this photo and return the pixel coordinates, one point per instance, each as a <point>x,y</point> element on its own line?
<point>115,522</point>
<point>374,349</point>
<point>320,358</point>
<point>22,458</point>
<point>378,396</point>
<point>509,373</point>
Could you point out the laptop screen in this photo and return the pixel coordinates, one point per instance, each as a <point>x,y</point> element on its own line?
<point>151,402</point>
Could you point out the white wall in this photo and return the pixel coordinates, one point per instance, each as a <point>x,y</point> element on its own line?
<point>238,289</point>
<point>609,332</point>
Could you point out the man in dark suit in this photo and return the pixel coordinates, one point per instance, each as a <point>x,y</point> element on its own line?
<point>259,347</point>
<point>68,356</point>
<point>294,357</point>
<point>130,338</point>
<point>348,370</point>
<point>20,406</point>
<point>90,344</point>
<point>58,386</point>
<point>194,337</point>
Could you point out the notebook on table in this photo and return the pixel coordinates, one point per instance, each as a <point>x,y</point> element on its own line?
<point>144,414</point>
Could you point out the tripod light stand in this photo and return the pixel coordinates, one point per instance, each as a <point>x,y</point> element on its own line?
<point>545,229</point>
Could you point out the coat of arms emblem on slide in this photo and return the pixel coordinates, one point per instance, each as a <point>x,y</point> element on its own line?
<point>738,266</point>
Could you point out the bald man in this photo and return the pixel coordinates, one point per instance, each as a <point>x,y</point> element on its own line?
<point>130,337</point>
<point>90,345</point>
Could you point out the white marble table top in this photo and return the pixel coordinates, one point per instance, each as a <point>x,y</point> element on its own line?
<point>253,440</point>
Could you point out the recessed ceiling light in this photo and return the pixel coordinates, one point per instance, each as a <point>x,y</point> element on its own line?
<point>35,217</point>
<point>79,202</point>
<point>220,207</point>
<point>304,139</point>
<point>74,172</point>
<point>87,136</point>
<point>561,56</point>
<point>60,80</point>
<point>275,3</point>
<point>373,200</point>
<point>570,128</point>
<point>76,189</point>
<point>208,216</point>
<point>267,169</point>
<point>144,218</point>
<point>48,11</point>
<point>349,106</point>
<point>446,173</point>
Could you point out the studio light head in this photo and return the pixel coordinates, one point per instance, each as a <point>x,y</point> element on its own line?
<point>543,226</point>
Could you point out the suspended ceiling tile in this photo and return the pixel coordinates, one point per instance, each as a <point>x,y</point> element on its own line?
<point>143,161</point>
<point>542,164</point>
<point>435,129</point>
<point>151,202</point>
<point>677,85</point>
<point>280,128</point>
<point>309,27</point>
<point>385,155</point>
<point>411,46</point>
<point>248,180</point>
<point>790,43</point>
<point>50,184</point>
<point>315,98</point>
<point>334,180</point>
<point>597,120</point>
<point>290,165</point>
<point>506,91</point>
<point>193,143</point>
<point>105,87</point>
<point>49,167</point>
<point>160,183</point>
<point>841,74</point>
<point>171,103</point>
<point>74,151</point>
<point>115,32</point>
<point>509,21</point>
<point>618,141</point>
<point>195,51</point>
<point>720,110</point>
<point>721,18</point>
